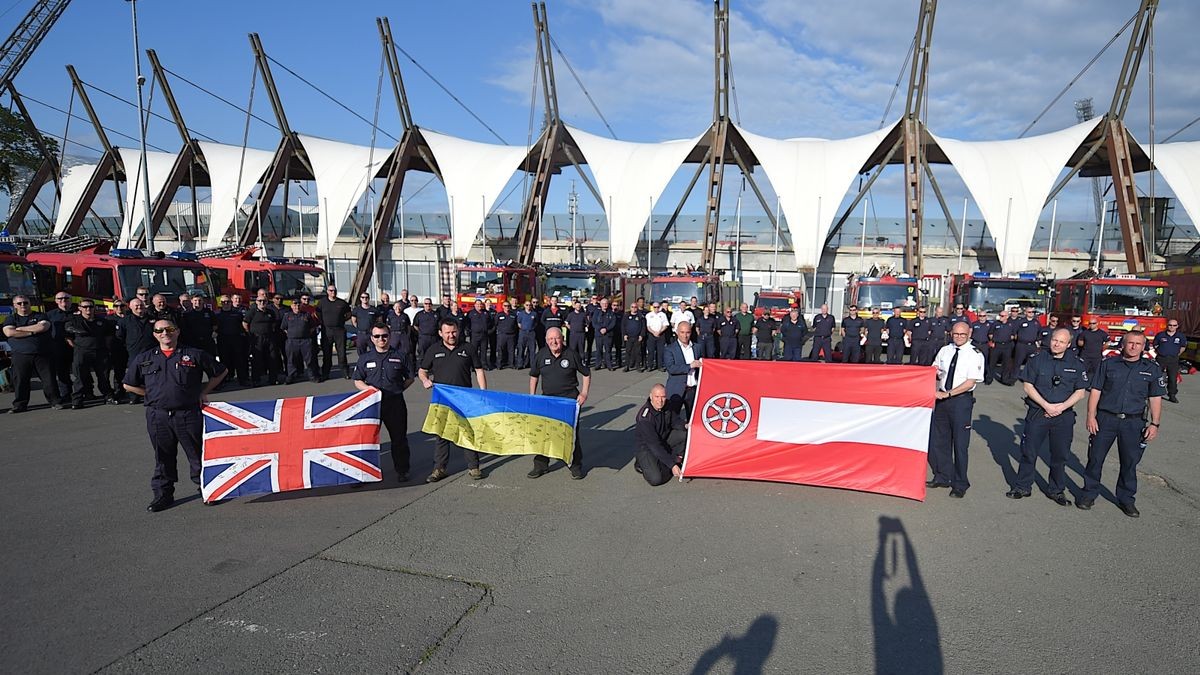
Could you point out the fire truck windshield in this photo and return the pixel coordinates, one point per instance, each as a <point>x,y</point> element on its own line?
<point>168,280</point>
<point>564,286</point>
<point>481,281</point>
<point>1126,299</point>
<point>676,291</point>
<point>768,302</point>
<point>994,297</point>
<point>886,296</point>
<point>292,283</point>
<point>17,279</point>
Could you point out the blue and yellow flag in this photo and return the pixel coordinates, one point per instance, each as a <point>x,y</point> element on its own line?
<point>503,423</point>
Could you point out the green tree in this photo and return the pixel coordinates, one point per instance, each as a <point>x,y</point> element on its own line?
<point>19,153</point>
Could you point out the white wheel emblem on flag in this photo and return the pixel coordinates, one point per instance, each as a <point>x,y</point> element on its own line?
<point>726,415</point>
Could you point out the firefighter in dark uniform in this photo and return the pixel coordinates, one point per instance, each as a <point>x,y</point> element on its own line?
<point>261,323</point>
<point>136,331</point>
<point>171,378</point>
<point>852,328</point>
<point>363,315</point>
<point>591,309</point>
<point>506,338</point>
<point>28,336</point>
<point>196,326</point>
<point>606,325</point>
<point>1122,389</point>
<point>298,327</point>
<point>706,332</point>
<point>822,328</point>
<point>558,369</point>
<point>451,362</point>
<point>400,330</point>
<point>959,368</point>
<point>479,324</point>
<point>764,334</point>
<point>1091,344</point>
<point>1004,333</point>
<point>895,326</point>
<point>981,339</point>
<point>1168,345</point>
<point>727,334</point>
<point>334,313</point>
<point>88,335</point>
<point>873,327</point>
<point>1047,331</point>
<point>577,324</point>
<point>553,316</point>
<point>62,357</point>
<point>920,332</point>
<point>1076,327</point>
<point>659,452</point>
<point>793,330</point>
<point>633,327</point>
<point>1028,332</point>
<point>231,341</point>
<point>526,335</point>
<point>939,330</point>
<point>426,322</point>
<point>118,358</point>
<point>386,369</point>
<point>1054,382</point>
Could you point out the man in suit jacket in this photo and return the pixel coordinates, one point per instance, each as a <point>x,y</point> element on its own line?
<point>682,361</point>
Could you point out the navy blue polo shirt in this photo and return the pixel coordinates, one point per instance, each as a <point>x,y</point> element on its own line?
<point>38,344</point>
<point>1028,330</point>
<point>386,371</point>
<point>793,332</point>
<point>822,325</point>
<point>1126,385</point>
<point>526,320</point>
<point>1169,345</point>
<point>172,382</point>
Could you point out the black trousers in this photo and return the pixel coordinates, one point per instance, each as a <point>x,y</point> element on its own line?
<point>233,350</point>
<point>61,363</point>
<point>653,471</point>
<point>542,462</point>
<point>604,351</point>
<point>591,343</point>
<point>633,353</point>
<point>1127,433</point>
<point>526,348</point>
<point>117,363</point>
<point>729,348</point>
<point>708,346</point>
<point>822,348</point>
<point>441,455</point>
<point>333,339</point>
<point>576,342</point>
<point>1002,357</point>
<point>744,346</point>
<point>873,353</point>
<point>895,350</point>
<point>1038,428</point>
<point>169,430</point>
<point>766,349</point>
<point>394,415</point>
<point>299,357</point>
<point>23,368</point>
<point>424,342</point>
<point>83,366</point>
<point>506,350</point>
<point>1170,364</point>
<point>851,349</point>
<point>479,345</point>
<point>265,357</point>
<point>949,436</point>
<point>923,353</point>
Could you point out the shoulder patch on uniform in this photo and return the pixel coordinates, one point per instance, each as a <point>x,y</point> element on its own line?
<point>645,411</point>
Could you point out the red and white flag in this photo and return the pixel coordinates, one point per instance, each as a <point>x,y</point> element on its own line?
<point>859,427</point>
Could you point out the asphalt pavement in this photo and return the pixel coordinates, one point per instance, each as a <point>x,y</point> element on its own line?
<point>604,575</point>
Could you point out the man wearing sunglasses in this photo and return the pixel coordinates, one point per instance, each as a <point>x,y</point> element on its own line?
<point>451,362</point>
<point>136,330</point>
<point>171,378</point>
<point>62,357</point>
<point>386,369</point>
<point>1054,382</point>
<point>1168,345</point>
<point>262,323</point>
<point>28,335</point>
<point>364,316</point>
<point>1091,344</point>
<point>88,333</point>
<point>334,313</point>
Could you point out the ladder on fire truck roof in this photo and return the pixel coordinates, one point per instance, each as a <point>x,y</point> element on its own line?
<point>42,244</point>
<point>227,251</point>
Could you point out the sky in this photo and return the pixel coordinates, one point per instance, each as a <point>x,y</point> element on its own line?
<point>801,69</point>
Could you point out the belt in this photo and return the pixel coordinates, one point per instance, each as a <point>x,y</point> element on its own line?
<point>1126,416</point>
<point>172,411</point>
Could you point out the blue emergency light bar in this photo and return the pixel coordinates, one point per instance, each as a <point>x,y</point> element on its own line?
<point>126,253</point>
<point>8,248</point>
<point>184,255</point>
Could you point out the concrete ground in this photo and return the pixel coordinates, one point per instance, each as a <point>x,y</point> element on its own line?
<point>605,575</point>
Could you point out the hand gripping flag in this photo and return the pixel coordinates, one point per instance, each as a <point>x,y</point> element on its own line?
<point>254,447</point>
<point>859,427</point>
<point>503,423</point>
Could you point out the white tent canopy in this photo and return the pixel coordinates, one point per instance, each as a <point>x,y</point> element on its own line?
<point>74,184</point>
<point>1179,164</point>
<point>474,174</point>
<point>159,166</point>
<point>342,176</point>
<point>1010,181</point>
<point>811,176</point>
<point>630,178</point>
<point>225,164</point>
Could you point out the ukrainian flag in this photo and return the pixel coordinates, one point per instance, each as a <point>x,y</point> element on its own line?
<point>503,423</point>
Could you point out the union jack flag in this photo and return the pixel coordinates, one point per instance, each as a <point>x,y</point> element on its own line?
<point>256,447</point>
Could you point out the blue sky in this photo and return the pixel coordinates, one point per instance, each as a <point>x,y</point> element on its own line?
<point>801,69</point>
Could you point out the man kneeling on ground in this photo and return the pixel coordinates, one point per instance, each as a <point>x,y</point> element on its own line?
<point>659,452</point>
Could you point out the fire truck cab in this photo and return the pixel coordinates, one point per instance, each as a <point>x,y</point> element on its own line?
<point>1121,303</point>
<point>887,292</point>
<point>16,278</point>
<point>497,282</point>
<point>778,303</point>
<point>578,282</point>
<point>87,267</point>
<point>676,288</point>
<point>235,270</point>
<point>992,292</point>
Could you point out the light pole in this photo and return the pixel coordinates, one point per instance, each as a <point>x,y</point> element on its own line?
<point>145,178</point>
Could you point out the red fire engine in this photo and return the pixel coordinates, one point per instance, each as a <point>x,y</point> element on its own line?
<point>497,282</point>
<point>779,303</point>
<point>1120,303</point>
<point>1185,305</point>
<point>236,270</point>
<point>16,278</point>
<point>582,282</point>
<point>992,292</point>
<point>887,292</point>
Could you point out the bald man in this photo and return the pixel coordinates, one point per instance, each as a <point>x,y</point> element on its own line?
<point>659,452</point>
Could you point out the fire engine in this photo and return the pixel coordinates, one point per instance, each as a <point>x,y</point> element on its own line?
<point>1121,302</point>
<point>582,282</point>
<point>890,293</point>
<point>237,270</point>
<point>16,278</point>
<point>1185,305</point>
<point>497,282</point>
<point>779,303</point>
<point>992,292</point>
<point>681,287</point>
<point>88,267</point>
